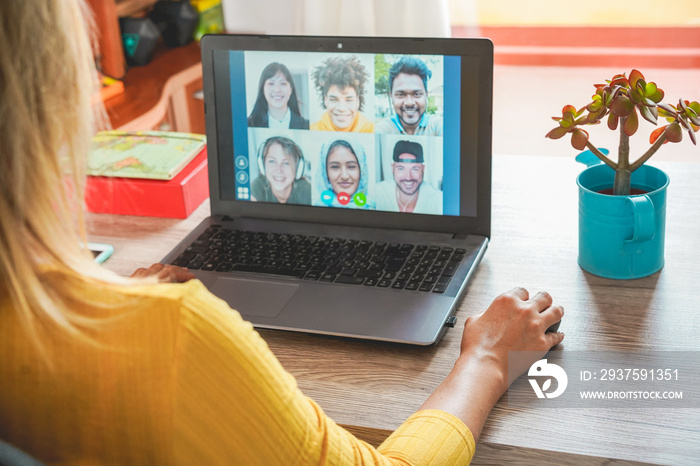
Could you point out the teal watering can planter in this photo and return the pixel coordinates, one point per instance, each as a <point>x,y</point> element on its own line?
<point>621,237</point>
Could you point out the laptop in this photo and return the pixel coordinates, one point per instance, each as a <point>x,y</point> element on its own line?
<point>350,181</point>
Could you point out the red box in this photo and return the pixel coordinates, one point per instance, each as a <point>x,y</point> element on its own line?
<point>175,198</point>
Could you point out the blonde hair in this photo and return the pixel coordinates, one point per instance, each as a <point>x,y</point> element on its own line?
<point>47,84</point>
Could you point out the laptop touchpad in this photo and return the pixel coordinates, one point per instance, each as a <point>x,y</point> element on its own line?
<point>254,298</point>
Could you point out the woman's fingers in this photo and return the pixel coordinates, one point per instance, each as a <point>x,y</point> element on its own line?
<point>165,273</point>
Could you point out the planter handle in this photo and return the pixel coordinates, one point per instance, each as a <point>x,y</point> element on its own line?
<point>589,159</point>
<point>644,221</point>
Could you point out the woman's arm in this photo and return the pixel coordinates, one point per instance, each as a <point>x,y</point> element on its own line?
<point>513,322</point>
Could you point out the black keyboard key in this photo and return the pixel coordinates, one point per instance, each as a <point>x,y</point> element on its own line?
<point>224,267</point>
<point>439,288</point>
<point>399,284</point>
<point>443,280</point>
<point>450,269</point>
<point>267,270</point>
<point>371,281</point>
<point>312,275</point>
<point>370,274</point>
<point>412,286</point>
<point>210,266</point>
<point>444,256</point>
<point>198,249</point>
<point>195,264</point>
<point>422,270</point>
<point>383,283</point>
<point>425,287</point>
<point>349,280</point>
<point>327,277</point>
<point>181,262</point>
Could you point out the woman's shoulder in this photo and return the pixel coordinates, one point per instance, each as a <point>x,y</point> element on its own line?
<point>298,122</point>
<point>260,189</point>
<point>302,183</point>
<point>301,192</point>
<point>258,120</point>
<point>122,295</point>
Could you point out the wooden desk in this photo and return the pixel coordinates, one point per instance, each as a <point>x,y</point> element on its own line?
<point>372,387</point>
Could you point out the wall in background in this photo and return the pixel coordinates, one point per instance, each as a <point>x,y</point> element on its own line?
<point>581,13</point>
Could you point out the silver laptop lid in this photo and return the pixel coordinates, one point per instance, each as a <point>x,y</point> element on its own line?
<point>351,131</point>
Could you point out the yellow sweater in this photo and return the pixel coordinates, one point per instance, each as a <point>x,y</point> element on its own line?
<point>180,378</point>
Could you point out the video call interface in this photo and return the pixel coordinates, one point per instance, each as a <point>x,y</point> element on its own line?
<point>347,130</point>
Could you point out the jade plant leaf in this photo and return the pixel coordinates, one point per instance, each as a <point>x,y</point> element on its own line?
<point>674,133</point>
<point>622,106</point>
<point>579,138</point>
<point>635,75</point>
<point>557,133</point>
<point>631,123</point>
<point>650,114</point>
<point>656,134</point>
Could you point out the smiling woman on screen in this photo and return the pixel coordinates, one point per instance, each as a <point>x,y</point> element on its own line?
<point>281,178</point>
<point>277,104</point>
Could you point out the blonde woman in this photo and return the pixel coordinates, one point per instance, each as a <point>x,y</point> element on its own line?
<point>100,369</point>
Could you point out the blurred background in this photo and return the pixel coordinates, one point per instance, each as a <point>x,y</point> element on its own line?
<point>548,53</point>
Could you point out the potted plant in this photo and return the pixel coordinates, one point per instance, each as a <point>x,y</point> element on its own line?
<point>622,203</point>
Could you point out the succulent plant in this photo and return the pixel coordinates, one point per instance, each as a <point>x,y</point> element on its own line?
<point>622,100</point>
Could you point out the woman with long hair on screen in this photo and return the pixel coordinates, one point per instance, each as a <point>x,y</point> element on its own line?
<point>101,369</point>
<point>277,104</point>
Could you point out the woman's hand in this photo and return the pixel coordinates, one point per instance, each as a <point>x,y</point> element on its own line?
<point>513,323</point>
<point>165,273</point>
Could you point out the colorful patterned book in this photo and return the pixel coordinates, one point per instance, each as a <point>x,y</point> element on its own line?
<point>156,155</point>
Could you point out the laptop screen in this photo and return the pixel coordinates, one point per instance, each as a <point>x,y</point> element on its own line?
<point>348,128</point>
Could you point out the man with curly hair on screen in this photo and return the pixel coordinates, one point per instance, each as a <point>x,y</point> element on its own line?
<point>340,82</point>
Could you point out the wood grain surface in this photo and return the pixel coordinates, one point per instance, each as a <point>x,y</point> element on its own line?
<point>371,387</point>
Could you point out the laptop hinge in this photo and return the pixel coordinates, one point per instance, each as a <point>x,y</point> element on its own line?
<point>459,236</point>
<point>226,218</point>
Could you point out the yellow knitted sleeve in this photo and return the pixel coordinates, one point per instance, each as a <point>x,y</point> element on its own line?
<point>235,404</point>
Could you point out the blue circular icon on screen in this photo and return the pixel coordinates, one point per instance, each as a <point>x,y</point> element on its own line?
<point>327,197</point>
<point>242,162</point>
<point>242,177</point>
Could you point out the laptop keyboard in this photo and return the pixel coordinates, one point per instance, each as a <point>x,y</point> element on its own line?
<point>348,261</point>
